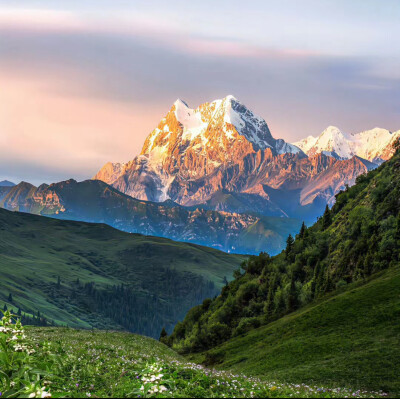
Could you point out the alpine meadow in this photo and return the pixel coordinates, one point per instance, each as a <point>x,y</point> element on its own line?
<point>161,237</point>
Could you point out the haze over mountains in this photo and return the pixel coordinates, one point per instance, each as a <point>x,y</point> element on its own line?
<point>95,201</point>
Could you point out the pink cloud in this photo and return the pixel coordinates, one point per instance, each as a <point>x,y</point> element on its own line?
<point>158,31</point>
<point>77,135</point>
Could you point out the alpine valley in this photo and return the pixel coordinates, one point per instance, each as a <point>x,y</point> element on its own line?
<point>220,247</point>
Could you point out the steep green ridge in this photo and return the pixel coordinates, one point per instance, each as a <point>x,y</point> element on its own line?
<point>87,275</point>
<point>350,339</point>
<point>352,243</point>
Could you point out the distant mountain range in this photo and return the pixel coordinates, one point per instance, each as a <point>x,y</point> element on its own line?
<point>194,154</point>
<point>214,176</point>
<point>95,201</point>
<point>6,183</point>
<point>374,145</point>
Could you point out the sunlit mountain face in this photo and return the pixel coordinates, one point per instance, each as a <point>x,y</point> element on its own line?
<point>194,155</point>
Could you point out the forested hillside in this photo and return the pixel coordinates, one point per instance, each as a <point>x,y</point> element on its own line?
<point>358,238</point>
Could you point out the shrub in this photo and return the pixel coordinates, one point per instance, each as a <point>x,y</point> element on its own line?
<point>247,324</point>
<point>20,371</point>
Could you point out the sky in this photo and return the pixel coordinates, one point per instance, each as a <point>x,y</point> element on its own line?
<point>84,82</point>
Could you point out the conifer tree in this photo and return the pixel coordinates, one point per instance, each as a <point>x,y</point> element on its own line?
<point>10,298</point>
<point>292,302</point>
<point>302,230</point>
<point>314,280</point>
<point>289,245</point>
<point>326,218</point>
<point>163,334</point>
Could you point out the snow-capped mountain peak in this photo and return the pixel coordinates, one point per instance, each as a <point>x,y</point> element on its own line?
<point>217,122</point>
<point>190,144</point>
<point>332,140</point>
<point>374,145</point>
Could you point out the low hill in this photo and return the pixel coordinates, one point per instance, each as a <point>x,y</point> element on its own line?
<point>88,275</point>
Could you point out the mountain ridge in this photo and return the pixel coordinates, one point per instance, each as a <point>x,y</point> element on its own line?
<point>373,145</point>
<point>95,201</point>
<point>6,183</point>
<point>221,145</point>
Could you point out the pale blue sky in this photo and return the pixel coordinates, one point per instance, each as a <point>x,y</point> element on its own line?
<point>84,82</point>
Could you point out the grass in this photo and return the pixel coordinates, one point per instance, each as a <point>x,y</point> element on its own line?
<point>35,251</point>
<point>351,339</point>
<point>114,364</point>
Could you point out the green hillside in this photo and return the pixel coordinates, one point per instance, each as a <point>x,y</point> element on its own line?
<point>78,364</point>
<point>356,242</point>
<point>87,275</point>
<point>350,339</point>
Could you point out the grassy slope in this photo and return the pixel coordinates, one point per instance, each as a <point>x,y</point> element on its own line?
<point>101,364</point>
<point>35,250</point>
<point>351,339</point>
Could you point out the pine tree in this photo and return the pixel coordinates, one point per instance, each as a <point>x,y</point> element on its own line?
<point>314,281</point>
<point>292,302</point>
<point>302,230</point>
<point>320,281</point>
<point>10,298</point>
<point>163,334</point>
<point>289,246</point>
<point>269,306</point>
<point>326,218</point>
<point>5,308</point>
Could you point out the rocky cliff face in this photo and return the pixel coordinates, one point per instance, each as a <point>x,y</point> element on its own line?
<point>195,152</point>
<point>221,146</point>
